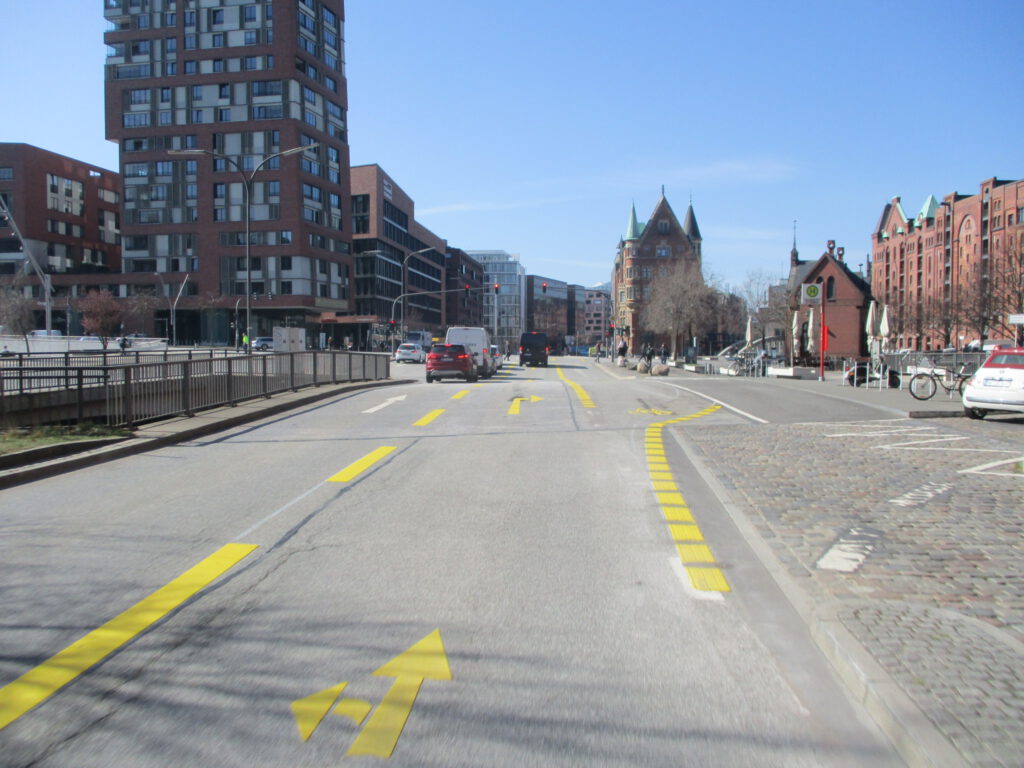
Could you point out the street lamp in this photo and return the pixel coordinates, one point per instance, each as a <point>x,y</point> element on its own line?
<point>170,308</point>
<point>405,281</point>
<point>247,187</point>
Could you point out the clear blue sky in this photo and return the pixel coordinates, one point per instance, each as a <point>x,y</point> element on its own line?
<point>532,126</point>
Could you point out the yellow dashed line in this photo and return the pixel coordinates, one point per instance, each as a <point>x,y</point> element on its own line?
<point>697,558</point>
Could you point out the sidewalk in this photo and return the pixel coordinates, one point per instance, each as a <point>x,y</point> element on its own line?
<point>908,572</point>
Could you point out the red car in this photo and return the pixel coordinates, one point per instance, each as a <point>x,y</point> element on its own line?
<point>450,361</point>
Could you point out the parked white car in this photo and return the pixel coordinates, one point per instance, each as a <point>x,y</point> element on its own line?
<point>998,385</point>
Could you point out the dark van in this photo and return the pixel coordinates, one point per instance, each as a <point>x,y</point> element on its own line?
<point>533,349</point>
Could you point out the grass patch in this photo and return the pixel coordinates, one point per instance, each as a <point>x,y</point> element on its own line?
<point>14,440</point>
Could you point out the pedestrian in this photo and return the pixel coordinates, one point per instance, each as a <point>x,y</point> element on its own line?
<point>245,342</point>
<point>6,352</point>
<point>123,343</point>
<point>508,350</point>
<point>664,355</point>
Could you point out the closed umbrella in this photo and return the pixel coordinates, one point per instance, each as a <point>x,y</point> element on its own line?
<point>750,331</point>
<point>812,332</point>
<point>796,333</point>
<point>883,327</point>
<point>870,327</point>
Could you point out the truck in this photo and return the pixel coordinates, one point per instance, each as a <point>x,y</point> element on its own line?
<point>478,342</point>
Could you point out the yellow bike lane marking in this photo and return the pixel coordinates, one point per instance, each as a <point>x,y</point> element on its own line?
<point>581,393</point>
<point>695,555</point>
<point>41,682</point>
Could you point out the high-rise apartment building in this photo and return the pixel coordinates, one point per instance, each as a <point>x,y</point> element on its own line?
<point>231,122</point>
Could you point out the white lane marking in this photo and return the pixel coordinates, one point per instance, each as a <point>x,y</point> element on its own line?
<point>274,514</point>
<point>849,553</point>
<point>684,577</point>
<point>919,496</point>
<point>385,404</point>
<point>984,469</point>
<point>716,401</point>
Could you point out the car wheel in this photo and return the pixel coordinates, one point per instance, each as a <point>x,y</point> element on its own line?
<point>429,378</point>
<point>974,413</point>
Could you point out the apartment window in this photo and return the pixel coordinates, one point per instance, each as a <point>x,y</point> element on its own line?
<point>164,117</point>
<point>249,13</point>
<point>142,21</point>
<point>309,94</point>
<point>165,95</point>
<point>219,190</point>
<point>274,188</point>
<point>286,287</point>
<point>286,263</point>
<point>663,252</point>
<point>220,214</point>
<point>224,91</point>
<point>266,88</point>
<point>136,120</point>
<point>250,62</point>
<point>190,18</point>
<point>191,191</point>
<point>307,22</point>
<point>217,40</point>
<point>312,215</point>
<point>170,68</point>
<point>170,19</point>
<point>190,42</point>
<point>190,67</point>
<point>218,65</point>
<point>6,173</point>
<point>171,45</point>
<point>310,118</point>
<point>140,48</point>
<point>331,83</point>
<point>164,167</point>
<point>307,45</point>
<point>197,93</point>
<point>191,167</point>
<point>330,19</point>
<point>197,115</point>
<point>216,16</point>
<point>139,96</point>
<point>268,112</point>
<point>330,39</point>
<point>312,193</point>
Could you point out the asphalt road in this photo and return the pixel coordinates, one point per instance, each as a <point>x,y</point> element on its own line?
<point>506,534</point>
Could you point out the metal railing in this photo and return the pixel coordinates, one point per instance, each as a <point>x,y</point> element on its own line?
<point>131,393</point>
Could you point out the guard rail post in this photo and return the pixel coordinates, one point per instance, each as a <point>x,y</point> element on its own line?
<point>334,367</point>
<point>349,354</point>
<point>186,386</point>
<point>231,383</point>
<point>80,397</point>
<point>291,371</point>
<point>129,409</point>
<point>316,382</point>
<point>264,376</point>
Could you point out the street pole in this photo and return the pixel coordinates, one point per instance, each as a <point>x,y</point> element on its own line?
<point>247,190</point>
<point>174,309</point>
<point>172,331</point>
<point>44,278</point>
<point>405,282</point>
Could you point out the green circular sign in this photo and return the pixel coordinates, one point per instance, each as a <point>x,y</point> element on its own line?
<point>812,291</point>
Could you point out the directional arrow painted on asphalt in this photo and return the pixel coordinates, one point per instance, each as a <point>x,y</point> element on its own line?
<point>514,408</point>
<point>385,404</point>
<point>311,710</point>
<point>424,660</point>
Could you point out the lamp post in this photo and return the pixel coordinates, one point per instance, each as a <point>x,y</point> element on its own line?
<point>405,281</point>
<point>172,335</point>
<point>247,187</point>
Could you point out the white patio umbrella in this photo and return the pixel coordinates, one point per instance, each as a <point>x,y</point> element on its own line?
<point>750,331</point>
<point>812,332</point>
<point>796,333</point>
<point>883,327</point>
<point>871,327</point>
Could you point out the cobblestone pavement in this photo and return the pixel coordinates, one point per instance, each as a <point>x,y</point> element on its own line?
<point>899,530</point>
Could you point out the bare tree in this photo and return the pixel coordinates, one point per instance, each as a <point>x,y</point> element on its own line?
<point>678,303</point>
<point>1008,285</point>
<point>17,311</point>
<point>101,315</point>
<point>138,309</point>
<point>979,302</point>
<point>940,317</point>
<point>767,307</point>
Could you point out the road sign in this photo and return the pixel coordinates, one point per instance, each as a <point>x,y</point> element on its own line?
<point>1015,320</point>
<point>810,293</point>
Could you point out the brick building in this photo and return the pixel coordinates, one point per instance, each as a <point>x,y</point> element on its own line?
<point>648,252</point>
<point>257,95</point>
<point>846,296</point>
<point>68,213</point>
<point>951,274</point>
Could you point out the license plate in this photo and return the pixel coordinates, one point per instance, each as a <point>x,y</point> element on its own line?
<point>446,359</point>
<point>998,382</point>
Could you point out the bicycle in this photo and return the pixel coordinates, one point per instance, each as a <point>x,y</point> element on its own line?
<point>925,384</point>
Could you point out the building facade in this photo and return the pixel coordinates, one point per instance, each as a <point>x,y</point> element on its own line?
<point>464,281</point>
<point>504,269</point>
<point>598,316</point>
<point>953,273</point>
<point>646,253</point>
<point>548,309</point>
<point>233,146</point>
<point>68,215</point>
<point>400,264</point>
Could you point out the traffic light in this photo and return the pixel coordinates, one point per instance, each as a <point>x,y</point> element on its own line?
<point>467,289</point>
<point>611,329</point>
<point>495,289</point>
<point>544,287</point>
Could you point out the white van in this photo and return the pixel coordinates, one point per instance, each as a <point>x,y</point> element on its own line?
<point>478,342</point>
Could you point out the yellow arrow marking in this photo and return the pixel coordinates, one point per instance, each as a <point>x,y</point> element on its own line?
<point>429,418</point>
<point>514,408</point>
<point>40,683</point>
<point>356,468</point>
<point>311,710</point>
<point>355,710</point>
<point>426,659</point>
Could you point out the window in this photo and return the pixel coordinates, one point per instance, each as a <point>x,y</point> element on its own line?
<point>138,96</point>
<point>165,95</point>
<point>307,45</point>
<point>830,289</point>
<point>219,190</point>
<point>164,167</point>
<point>220,214</point>
<point>663,226</point>
<point>307,22</point>
<point>286,287</point>
<point>6,173</point>
<point>136,120</point>
<point>310,118</point>
<point>331,83</point>
<point>170,19</point>
<point>216,16</point>
<point>274,188</point>
<point>269,112</point>
<point>224,91</point>
<point>266,88</point>
<point>197,93</point>
<point>171,45</point>
<point>224,114</point>
<point>190,67</point>
<point>249,13</point>
<point>250,63</point>
<point>190,42</point>
<point>286,263</point>
<point>309,94</point>
<point>217,40</point>
<point>140,48</point>
<point>164,117</point>
<point>218,65</point>
<point>190,18</point>
<point>191,167</point>
<point>197,115</point>
<point>663,252</point>
<point>252,36</point>
<point>312,193</point>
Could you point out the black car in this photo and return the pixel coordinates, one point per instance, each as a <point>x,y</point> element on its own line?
<point>533,349</point>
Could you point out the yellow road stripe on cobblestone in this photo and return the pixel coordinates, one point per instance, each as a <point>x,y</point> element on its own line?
<point>661,475</point>
<point>658,467</point>
<point>664,485</point>
<point>671,498</point>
